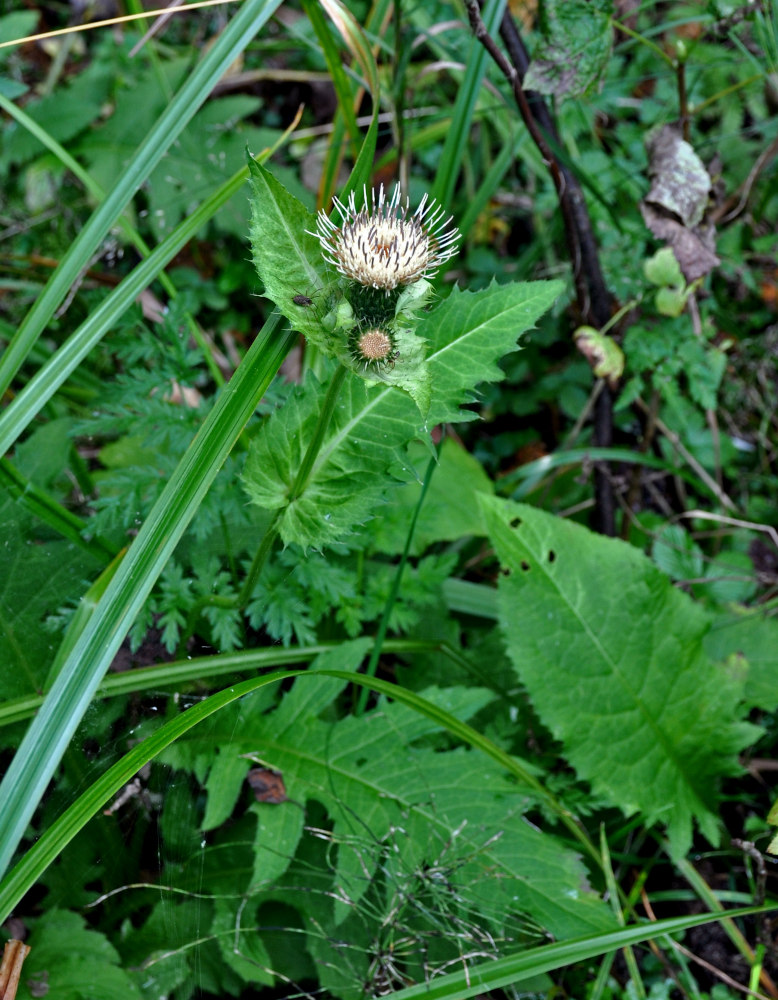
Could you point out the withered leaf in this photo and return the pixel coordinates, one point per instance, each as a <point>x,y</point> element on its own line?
<point>675,207</point>
<point>268,786</point>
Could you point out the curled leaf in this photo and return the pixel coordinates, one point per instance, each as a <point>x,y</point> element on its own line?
<point>675,207</point>
<point>602,352</point>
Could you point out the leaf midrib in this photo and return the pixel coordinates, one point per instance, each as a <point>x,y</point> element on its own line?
<point>658,731</point>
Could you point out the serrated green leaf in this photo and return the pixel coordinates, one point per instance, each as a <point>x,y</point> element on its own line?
<point>108,149</point>
<point>279,828</point>
<point>162,945</point>
<point>71,961</point>
<point>287,257</point>
<point>676,553</point>
<point>577,38</point>
<point>611,654</point>
<point>350,476</point>
<point>369,767</point>
<point>467,334</point>
<point>470,331</point>
<point>206,154</point>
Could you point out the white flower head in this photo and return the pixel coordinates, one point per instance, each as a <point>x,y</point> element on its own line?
<point>382,245</point>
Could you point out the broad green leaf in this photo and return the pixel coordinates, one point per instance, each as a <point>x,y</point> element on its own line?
<point>59,834</point>
<point>287,257</point>
<point>753,635</point>
<point>205,155</point>
<point>71,961</point>
<point>40,573</point>
<point>469,332</point>
<point>729,577</point>
<point>278,830</point>
<point>676,553</point>
<point>371,767</point>
<point>450,510</point>
<point>166,938</point>
<point>62,114</point>
<point>575,46</point>
<point>612,657</point>
<point>16,25</point>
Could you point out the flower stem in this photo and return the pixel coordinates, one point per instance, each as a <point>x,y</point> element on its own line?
<point>271,534</point>
<point>298,486</point>
<point>260,558</point>
<point>383,626</point>
<point>328,408</point>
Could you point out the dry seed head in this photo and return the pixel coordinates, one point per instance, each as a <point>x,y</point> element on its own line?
<point>382,245</point>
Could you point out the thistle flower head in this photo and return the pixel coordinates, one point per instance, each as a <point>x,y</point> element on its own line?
<point>373,349</point>
<point>384,246</point>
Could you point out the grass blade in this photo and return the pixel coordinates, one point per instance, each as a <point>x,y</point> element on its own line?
<point>33,397</point>
<point>250,17</point>
<point>51,730</point>
<point>462,116</point>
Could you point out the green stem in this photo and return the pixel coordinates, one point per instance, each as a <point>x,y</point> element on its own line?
<point>298,486</point>
<point>643,40</point>
<point>328,408</point>
<point>264,550</point>
<point>269,538</point>
<point>726,92</point>
<point>372,665</point>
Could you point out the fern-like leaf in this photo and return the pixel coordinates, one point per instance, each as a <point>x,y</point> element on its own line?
<point>374,778</point>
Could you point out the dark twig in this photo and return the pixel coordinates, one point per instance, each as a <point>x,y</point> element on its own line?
<point>594,302</point>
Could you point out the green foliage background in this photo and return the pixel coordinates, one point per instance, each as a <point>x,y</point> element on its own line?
<point>493,727</point>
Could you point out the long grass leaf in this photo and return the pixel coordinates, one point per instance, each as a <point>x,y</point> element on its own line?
<point>51,730</point>
<point>545,958</point>
<point>33,397</point>
<point>198,668</point>
<point>42,505</point>
<point>464,109</point>
<point>250,17</point>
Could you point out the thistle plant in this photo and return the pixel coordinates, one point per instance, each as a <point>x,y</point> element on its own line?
<point>357,285</point>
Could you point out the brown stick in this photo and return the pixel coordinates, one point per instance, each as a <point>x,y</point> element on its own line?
<point>594,301</point>
<point>14,955</point>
